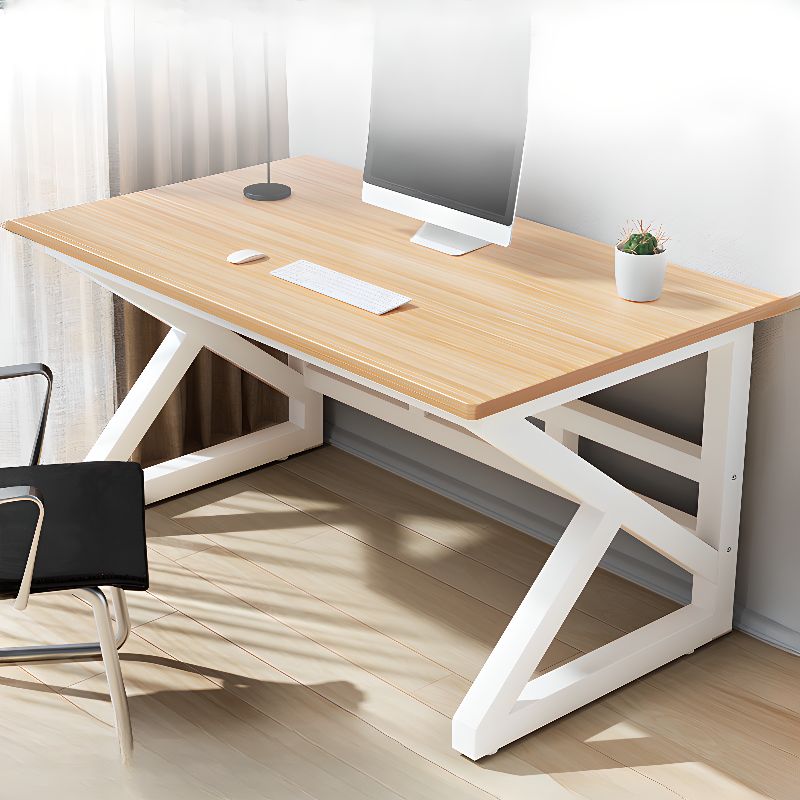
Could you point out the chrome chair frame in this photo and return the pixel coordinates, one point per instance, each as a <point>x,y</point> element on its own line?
<point>112,629</point>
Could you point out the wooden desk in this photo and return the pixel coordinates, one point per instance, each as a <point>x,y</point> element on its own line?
<point>484,332</point>
<point>489,340</point>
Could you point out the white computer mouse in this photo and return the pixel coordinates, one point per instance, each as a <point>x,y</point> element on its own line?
<point>243,256</point>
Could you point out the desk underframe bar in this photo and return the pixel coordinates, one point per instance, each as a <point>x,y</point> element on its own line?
<point>503,704</point>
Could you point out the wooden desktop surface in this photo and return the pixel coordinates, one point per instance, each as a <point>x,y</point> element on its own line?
<point>483,332</point>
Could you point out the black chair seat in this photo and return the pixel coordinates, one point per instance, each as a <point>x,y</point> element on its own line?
<point>93,532</point>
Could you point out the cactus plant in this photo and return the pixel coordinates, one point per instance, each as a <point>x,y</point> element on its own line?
<point>640,262</point>
<point>641,240</point>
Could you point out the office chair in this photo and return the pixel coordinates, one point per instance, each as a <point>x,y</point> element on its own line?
<point>91,535</point>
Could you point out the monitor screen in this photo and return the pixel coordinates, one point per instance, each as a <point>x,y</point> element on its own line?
<point>449,106</point>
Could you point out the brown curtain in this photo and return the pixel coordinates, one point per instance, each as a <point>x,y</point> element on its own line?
<point>188,97</point>
<point>214,402</point>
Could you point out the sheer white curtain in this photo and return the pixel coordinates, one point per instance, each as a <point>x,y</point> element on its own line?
<point>99,97</point>
<point>53,153</point>
<point>187,89</point>
<point>188,97</point>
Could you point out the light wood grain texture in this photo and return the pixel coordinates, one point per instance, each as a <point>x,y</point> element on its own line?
<point>484,332</point>
<point>210,725</point>
<point>170,539</point>
<point>669,762</point>
<point>406,604</point>
<point>52,748</point>
<point>461,530</point>
<point>697,727</point>
<point>377,703</point>
<point>754,667</point>
<point>449,566</point>
<point>275,657</point>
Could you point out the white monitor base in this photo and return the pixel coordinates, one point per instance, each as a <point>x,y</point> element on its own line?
<point>446,241</point>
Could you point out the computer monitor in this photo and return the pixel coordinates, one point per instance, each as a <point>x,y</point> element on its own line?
<point>447,121</point>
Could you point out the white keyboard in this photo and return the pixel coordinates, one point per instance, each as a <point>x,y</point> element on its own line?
<point>340,287</point>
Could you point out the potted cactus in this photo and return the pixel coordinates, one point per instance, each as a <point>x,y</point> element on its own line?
<point>640,262</point>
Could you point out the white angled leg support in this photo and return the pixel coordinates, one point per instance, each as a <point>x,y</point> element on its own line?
<point>503,703</point>
<point>146,397</point>
<point>492,709</point>
<point>188,335</point>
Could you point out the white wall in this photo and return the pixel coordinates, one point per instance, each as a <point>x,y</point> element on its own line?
<point>329,72</point>
<point>768,588</point>
<point>680,112</point>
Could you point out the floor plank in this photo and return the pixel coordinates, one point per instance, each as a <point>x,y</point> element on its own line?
<point>452,629</point>
<point>695,726</point>
<point>171,539</point>
<point>449,566</point>
<point>320,710</point>
<point>322,622</point>
<point>50,748</point>
<point>572,762</point>
<point>752,666</point>
<point>311,628</point>
<point>489,542</point>
<point>200,724</point>
<point>731,707</point>
<point>649,753</point>
<point>384,707</point>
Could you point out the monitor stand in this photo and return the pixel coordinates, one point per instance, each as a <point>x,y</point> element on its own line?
<point>446,241</point>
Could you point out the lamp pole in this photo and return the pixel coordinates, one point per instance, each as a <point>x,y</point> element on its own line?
<point>268,190</point>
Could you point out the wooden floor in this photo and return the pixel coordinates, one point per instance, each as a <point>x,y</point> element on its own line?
<point>310,630</point>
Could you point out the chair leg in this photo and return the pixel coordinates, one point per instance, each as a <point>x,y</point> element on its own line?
<point>108,648</point>
<point>121,616</point>
<point>69,651</point>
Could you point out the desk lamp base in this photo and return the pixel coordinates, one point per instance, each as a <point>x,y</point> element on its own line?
<point>267,191</point>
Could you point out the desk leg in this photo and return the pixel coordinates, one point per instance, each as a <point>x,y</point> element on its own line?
<point>136,413</point>
<point>503,704</point>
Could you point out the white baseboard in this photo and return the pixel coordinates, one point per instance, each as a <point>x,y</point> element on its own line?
<point>766,629</point>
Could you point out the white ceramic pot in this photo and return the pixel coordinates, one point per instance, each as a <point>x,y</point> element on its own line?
<point>639,278</point>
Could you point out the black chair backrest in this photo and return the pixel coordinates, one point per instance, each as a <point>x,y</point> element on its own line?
<point>22,371</point>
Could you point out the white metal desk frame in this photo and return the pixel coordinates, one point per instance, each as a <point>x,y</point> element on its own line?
<point>503,703</point>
